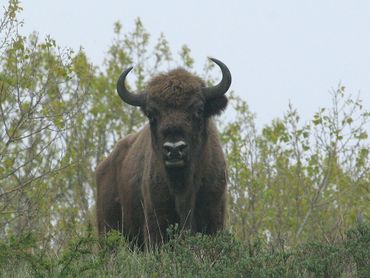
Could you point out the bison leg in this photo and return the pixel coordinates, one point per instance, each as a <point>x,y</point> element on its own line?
<point>108,208</point>
<point>159,215</point>
<point>154,229</point>
<point>185,204</point>
<point>210,212</point>
<point>109,217</point>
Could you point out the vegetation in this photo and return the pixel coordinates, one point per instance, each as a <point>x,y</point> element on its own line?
<point>295,182</point>
<point>296,189</point>
<point>190,256</point>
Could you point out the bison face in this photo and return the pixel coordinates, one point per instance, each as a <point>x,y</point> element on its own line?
<point>178,132</point>
<point>178,106</point>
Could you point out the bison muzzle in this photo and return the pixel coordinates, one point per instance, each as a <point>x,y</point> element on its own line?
<point>173,170</point>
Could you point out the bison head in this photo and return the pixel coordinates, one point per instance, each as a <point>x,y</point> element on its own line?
<point>178,106</point>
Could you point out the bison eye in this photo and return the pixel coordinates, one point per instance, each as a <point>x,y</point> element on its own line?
<point>151,118</point>
<point>199,112</point>
<point>151,115</point>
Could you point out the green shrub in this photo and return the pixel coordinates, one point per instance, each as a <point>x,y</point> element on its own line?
<point>186,255</point>
<point>358,248</point>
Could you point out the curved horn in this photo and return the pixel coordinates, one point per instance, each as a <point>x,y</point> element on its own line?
<point>222,87</point>
<point>125,95</point>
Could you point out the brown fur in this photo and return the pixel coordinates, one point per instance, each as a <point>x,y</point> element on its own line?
<point>138,195</point>
<point>175,88</point>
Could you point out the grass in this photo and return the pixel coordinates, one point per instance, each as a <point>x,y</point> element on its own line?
<point>188,256</point>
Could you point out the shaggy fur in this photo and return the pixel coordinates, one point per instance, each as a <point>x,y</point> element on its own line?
<point>175,88</point>
<point>138,195</point>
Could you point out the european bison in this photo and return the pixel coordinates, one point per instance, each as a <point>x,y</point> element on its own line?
<point>173,170</point>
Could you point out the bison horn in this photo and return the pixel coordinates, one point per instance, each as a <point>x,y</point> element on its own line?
<point>126,96</point>
<point>222,87</point>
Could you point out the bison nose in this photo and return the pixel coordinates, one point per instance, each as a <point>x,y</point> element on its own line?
<point>175,150</point>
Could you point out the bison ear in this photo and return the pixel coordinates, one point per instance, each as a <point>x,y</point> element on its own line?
<point>215,106</point>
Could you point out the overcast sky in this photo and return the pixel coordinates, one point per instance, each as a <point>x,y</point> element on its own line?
<point>278,51</point>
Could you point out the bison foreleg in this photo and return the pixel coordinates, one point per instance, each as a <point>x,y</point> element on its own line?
<point>185,204</point>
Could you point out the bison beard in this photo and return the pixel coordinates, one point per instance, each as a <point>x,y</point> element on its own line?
<point>173,170</point>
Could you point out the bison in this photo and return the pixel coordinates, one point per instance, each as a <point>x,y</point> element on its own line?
<point>173,170</point>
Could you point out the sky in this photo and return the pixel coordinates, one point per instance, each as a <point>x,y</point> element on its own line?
<point>278,52</point>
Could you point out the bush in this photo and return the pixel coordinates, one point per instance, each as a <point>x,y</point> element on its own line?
<point>188,256</point>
